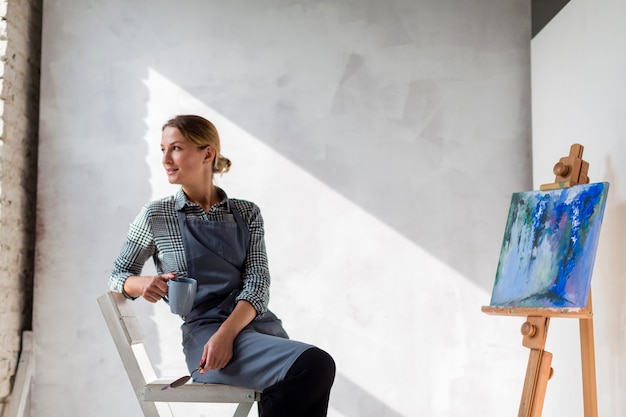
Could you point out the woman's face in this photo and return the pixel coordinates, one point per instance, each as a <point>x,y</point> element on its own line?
<point>184,162</point>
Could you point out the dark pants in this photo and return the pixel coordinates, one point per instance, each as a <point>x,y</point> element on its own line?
<point>305,390</point>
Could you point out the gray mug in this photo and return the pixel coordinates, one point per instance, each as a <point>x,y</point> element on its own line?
<point>181,294</point>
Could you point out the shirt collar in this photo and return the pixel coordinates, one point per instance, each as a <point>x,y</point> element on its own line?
<point>181,200</point>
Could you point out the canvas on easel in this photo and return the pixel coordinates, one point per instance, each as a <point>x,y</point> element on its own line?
<point>545,269</point>
<point>549,247</point>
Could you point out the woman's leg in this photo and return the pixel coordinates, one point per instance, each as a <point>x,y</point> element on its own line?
<point>305,390</point>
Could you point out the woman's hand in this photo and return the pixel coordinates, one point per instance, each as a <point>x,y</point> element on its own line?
<point>155,287</point>
<point>218,351</point>
<point>151,288</point>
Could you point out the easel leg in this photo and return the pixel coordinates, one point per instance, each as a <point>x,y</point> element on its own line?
<point>539,370</point>
<point>538,373</point>
<point>588,358</point>
<point>587,353</point>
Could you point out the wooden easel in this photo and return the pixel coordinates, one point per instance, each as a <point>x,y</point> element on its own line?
<point>569,171</point>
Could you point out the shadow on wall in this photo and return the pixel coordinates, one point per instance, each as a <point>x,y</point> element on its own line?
<point>128,182</point>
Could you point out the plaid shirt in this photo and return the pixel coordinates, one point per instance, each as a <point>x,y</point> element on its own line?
<point>155,234</point>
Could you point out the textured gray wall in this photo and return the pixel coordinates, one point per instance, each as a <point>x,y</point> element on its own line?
<point>381,140</point>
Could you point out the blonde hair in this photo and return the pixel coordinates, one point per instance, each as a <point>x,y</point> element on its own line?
<point>202,133</point>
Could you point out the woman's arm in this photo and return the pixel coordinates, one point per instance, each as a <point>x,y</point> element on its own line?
<point>256,274</point>
<point>218,351</point>
<point>137,249</point>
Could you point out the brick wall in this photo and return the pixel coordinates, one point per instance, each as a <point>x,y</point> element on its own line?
<point>20,52</point>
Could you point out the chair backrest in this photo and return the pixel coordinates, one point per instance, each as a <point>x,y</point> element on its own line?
<point>129,339</point>
<point>128,336</point>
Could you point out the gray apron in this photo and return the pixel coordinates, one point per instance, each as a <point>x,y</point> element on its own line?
<point>216,252</point>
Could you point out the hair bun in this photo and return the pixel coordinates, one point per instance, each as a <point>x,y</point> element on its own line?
<point>222,165</point>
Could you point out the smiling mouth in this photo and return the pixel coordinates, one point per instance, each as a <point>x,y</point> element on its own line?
<point>170,171</point>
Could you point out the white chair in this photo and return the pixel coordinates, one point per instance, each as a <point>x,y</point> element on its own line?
<point>129,340</point>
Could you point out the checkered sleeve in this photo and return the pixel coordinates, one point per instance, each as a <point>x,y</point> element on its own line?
<point>136,250</point>
<point>256,275</point>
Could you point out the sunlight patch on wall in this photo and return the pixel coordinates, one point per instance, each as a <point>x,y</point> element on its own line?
<point>342,279</point>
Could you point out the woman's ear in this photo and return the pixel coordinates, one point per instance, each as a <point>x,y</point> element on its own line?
<point>209,155</point>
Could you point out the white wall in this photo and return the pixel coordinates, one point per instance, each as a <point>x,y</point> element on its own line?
<point>382,141</point>
<point>579,96</point>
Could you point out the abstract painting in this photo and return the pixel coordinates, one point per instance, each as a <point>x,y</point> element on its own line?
<point>549,247</point>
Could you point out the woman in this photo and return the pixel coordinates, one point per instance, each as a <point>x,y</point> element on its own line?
<point>201,233</point>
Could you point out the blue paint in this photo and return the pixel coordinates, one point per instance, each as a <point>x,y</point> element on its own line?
<point>549,247</point>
